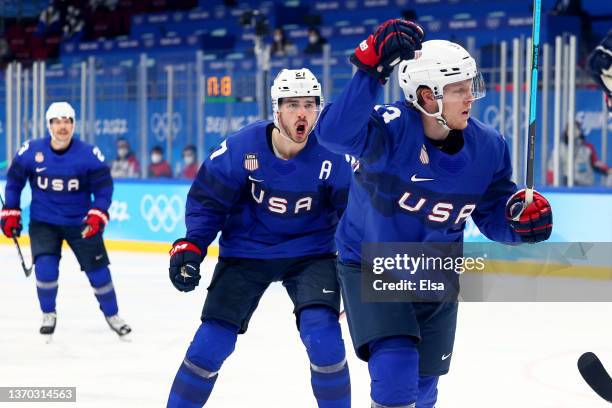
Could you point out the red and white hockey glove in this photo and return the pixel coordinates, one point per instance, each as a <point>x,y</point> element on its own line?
<point>10,221</point>
<point>393,41</point>
<point>185,260</point>
<point>95,222</point>
<point>532,223</point>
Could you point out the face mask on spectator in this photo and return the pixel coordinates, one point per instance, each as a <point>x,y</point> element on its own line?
<point>278,37</point>
<point>122,152</point>
<point>156,158</point>
<point>188,159</point>
<point>312,38</point>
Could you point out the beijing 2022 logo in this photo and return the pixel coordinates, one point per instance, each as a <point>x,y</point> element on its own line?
<point>162,212</point>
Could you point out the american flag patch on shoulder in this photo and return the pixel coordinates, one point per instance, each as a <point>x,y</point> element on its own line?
<point>250,162</point>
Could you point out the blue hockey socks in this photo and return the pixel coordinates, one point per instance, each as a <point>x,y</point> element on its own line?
<point>320,332</point>
<point>47,272</point>
<point>394,372</point>
<point>212,344</point>
<point>428,391</point>
<point>102,284</point>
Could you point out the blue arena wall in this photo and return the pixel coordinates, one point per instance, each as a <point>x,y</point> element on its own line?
<point>153,212</point>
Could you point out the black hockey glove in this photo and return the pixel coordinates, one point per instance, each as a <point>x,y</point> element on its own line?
<point>185,259</point>
<point>393,41</point>
<point>600,65</point>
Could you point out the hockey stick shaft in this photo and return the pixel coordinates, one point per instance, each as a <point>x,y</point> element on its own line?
<point>533,94</point>
<point>26,270</point>
<point>594,373</point>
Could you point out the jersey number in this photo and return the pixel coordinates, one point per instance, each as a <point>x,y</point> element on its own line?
<point>219,151</point>
<point>390,112</point>
<point>98,154</point>
<point>25,147</point>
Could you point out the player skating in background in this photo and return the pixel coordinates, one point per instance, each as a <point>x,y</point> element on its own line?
<point>276,196</point>
<point>600,65</point>
<point>425,166</point>
<point>64,173</point>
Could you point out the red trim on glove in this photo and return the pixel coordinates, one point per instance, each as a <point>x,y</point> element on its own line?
<point>183,246</point>
<point>11,221</point>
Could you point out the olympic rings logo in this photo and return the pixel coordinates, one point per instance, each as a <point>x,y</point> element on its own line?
<point>161,212</point>
<point>160,124</point>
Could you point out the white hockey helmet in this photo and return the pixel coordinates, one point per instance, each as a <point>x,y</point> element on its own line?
<point>59,110</point>
<point>439,63</point>
<point>294,83</point>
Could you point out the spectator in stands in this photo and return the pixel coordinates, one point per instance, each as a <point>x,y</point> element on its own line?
<point>49,22</point>
<point>126,164</point>
<point>586,161</point>
<point>74,24</point>
<point>281,46</point>
<point>315,42</point>
<point>159,167</point>
<point>190,163</point>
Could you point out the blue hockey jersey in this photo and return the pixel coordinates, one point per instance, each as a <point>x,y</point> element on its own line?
<point>406,189</point>
<point>62,182</point>
<point>266,207</point>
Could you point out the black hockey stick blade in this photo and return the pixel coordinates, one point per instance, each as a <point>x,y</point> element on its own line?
<point>595,375</point>
<point>27,270</point>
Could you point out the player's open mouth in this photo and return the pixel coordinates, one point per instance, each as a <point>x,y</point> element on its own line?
<point>300,129</point>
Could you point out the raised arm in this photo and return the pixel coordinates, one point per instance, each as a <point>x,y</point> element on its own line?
<point>346,126</point>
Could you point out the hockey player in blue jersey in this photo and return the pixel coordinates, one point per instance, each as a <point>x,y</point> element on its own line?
<point>63,173</point>
<point>276,196</point>
<point>600,66</point>
<point>425,166</point>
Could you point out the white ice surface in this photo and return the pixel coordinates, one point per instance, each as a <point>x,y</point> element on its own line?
<point>506,354</point>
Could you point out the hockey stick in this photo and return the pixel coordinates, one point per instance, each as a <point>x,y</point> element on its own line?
<point>26,270</point>
<point>533,93</point>
<point>595,375</point>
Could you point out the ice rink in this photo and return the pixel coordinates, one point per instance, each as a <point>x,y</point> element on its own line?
<point>506,354</point>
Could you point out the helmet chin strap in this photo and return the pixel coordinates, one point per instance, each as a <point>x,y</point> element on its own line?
<point>437,116</point>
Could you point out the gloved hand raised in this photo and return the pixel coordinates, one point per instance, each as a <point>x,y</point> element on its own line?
<point>394,40</point>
